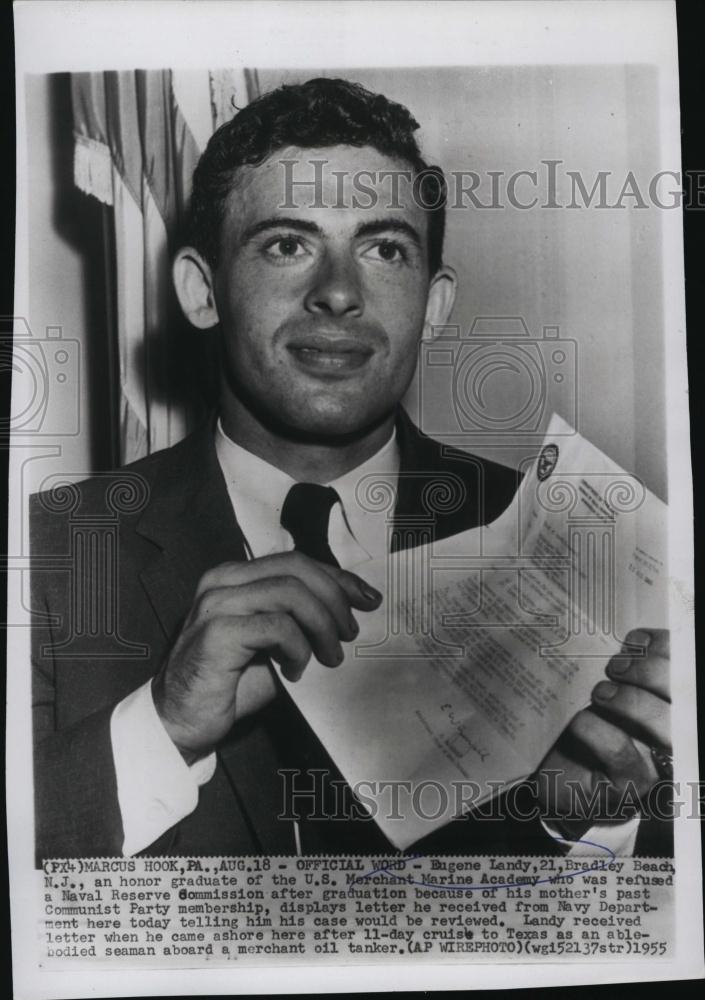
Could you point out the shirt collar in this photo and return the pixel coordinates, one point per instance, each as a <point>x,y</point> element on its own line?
<point>258,489</point>
<point>361,516</point>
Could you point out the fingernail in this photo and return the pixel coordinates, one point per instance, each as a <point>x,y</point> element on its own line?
<point>604,690</point>
<point>340,655</point>
<point>619,665</point>
<point>354,627</point>
<point>370,593</point>
<point>639,638</point>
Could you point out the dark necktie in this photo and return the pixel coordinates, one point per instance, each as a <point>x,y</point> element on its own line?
<point>305,516</point>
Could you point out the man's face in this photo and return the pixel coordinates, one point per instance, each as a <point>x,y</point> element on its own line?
<point>321,308</point>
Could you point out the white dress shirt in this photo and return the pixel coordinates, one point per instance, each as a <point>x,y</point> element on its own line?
<point>156,788</point>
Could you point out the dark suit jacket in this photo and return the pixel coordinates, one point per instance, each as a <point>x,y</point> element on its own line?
<point>116,561</point>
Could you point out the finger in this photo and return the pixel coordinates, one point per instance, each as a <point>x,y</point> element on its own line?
<point>282,594</point>
<point>578,795</point>
<point>299,568</point>
<point>361,593</point>
<point>652,673</point>
<point>275,633</point>
<point>614,753</point>
<point>257,686</point>
<point>640,712</point>
<point>565,789</point>
<point>651,640</point>
<point>337,588</point>
<point>555,775</point>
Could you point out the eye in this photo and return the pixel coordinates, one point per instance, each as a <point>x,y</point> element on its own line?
<point>287,247</point>
<point>388,251</point>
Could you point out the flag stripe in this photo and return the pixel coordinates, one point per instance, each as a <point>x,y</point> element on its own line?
<point>192,98</point>
<point>138,138</point>
<point>122,123</point>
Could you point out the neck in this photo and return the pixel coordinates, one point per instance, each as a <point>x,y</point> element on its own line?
<point>304,460</point>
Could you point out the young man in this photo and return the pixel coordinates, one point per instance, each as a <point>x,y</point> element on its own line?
<point>238,557</point>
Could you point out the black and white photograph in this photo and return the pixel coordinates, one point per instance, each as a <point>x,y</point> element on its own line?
<point>350,559</point>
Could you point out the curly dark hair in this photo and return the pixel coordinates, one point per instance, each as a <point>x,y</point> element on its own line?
<point>319,113</point>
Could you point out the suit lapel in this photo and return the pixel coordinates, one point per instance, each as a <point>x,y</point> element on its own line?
<point>191,519</point>
<point>436,493</point>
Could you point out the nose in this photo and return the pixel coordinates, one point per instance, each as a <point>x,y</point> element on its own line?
<point>335,289</point>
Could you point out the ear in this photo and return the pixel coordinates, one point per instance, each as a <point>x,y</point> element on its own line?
<point>441,298</point>
<point>193,281</point>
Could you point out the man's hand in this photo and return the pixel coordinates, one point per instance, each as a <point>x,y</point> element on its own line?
<point>283,606</point>
<point>611,741</point>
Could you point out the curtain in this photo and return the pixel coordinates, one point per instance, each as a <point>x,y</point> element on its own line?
<point>138,136</point>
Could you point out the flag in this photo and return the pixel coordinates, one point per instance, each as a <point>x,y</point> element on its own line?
<point>138,137</point>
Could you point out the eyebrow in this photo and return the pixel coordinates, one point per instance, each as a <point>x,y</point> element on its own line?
<point>372,228</point>
<point>281,222</point>
<point>378,226</point>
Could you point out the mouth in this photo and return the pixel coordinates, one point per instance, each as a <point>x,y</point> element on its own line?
<point>329,355</point>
